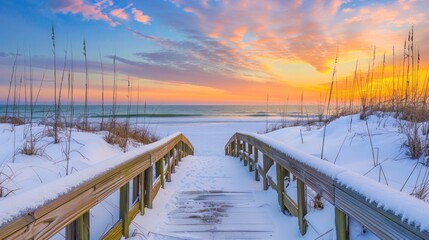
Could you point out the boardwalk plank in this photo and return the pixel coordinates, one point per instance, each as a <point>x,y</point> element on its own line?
<point>217,215</point>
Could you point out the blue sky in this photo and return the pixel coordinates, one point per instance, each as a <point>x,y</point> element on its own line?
<point>218,51</point>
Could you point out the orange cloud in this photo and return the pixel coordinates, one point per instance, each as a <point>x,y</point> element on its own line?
<point>313,31</point>
<point>120,12</point>
<point>238,34</point>
<point>140,17</point>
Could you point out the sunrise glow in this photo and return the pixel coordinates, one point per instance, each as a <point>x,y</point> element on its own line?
<point>204,51</point>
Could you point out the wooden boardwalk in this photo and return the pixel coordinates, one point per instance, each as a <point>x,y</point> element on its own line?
<point>212,197</point>
<point>217,215</point>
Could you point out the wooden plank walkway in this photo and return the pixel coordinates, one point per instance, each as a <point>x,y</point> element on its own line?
<point>217,215</point>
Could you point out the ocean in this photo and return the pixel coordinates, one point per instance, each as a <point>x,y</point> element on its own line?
<point>171,112</point>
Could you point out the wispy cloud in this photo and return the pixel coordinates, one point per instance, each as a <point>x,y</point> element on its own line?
<point>89,11</point>
<point>300,31</point>
<point>201,52</point>
<point>9,54</point>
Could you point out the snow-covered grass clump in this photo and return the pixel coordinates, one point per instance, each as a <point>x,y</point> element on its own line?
<point>375,147</point>
<point>21,172</point>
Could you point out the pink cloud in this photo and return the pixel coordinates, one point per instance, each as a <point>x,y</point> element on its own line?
<point>204,3</point>
<point>406,4</point>
<point>348,10</point>
<point>306,31</point>
<point>238,34</point>
<point>140,17</point>
<point>120,12</point>
<point>88,11</point>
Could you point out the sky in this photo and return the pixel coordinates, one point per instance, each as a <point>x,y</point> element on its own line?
<point>199,51</point>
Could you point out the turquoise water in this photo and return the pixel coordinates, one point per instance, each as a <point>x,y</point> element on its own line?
<point>169,111</point>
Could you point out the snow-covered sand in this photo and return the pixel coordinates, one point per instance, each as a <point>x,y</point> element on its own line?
<point>210,170</point>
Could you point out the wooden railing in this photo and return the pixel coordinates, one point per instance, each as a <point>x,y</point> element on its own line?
<point>70,210</point>
<point>321,176</point>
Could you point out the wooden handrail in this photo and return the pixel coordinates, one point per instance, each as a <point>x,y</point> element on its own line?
<point>331,182</point>
<point>70,198</point>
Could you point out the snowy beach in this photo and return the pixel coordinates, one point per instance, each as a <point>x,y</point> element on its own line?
<point>347,145</point>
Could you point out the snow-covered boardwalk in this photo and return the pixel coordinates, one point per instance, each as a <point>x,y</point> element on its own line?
<point>213,197</point>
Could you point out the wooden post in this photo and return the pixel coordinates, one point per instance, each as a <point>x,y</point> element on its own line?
<point>267,162</point>
<point>167,159</point>
<point>124,209</point>
<point>239,150</point>
<point>302,206</point>
<point>148,186</point>
<point>256,152</point>
<point>142,177</point>
<point>83,226</point>
<point>184,150</point>
<point>136,188</point>
<point>71,231</point>
<point>173,162</point>
<point>244,154</point>
<point>160,171</point>
<point>79,228</point>
<point>176,155</point>
<point>341,225</point>
<point>249,153</point>
<point>179,148</point>
<point>280,186</point>
<point>179,156</point>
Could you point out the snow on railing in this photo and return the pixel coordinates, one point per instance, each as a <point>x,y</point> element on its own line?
<point>65,203</point>
<point>388,213</point>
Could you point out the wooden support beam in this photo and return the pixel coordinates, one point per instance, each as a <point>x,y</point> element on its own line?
<point>243,153</point>
<point>168,172</point>
<point>290,205</point>
<point>84,226</point>
<point>239,150</point>
<point>71,231</point>
<point>250,151</point>
<point>176,154</point>
<point>179,150</point>
<point>255,156</point>
<point>136,188</point>
<point>267,163</point>
<point>142,197</point>
<point>124,209</point>
<point>302,206</point>
<point>341,225</point>
<point>148,186</point>
<point>79,228</point>
<point>173,162</point>
<point>183,150</point>
<point>179,156</point>
<point>161,172</point>
<point>280,186</point>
